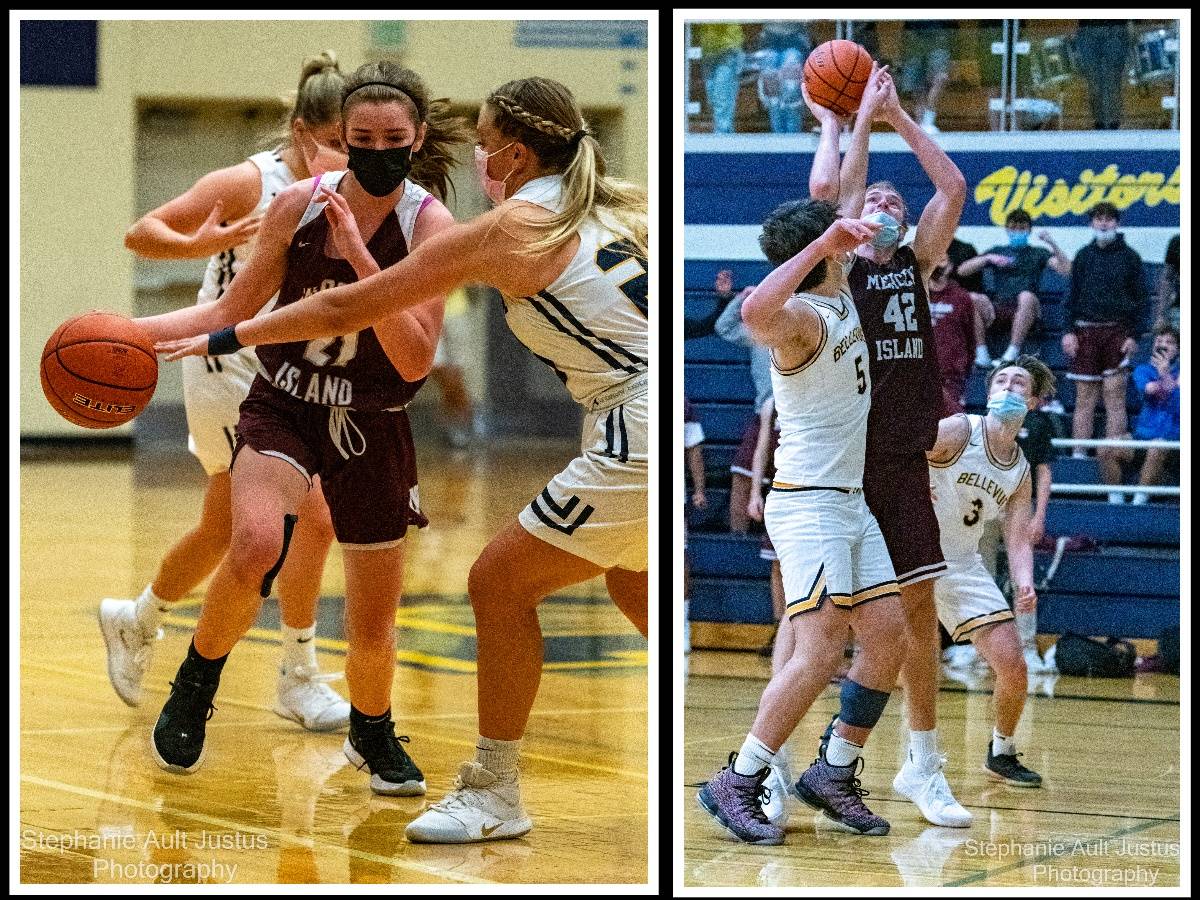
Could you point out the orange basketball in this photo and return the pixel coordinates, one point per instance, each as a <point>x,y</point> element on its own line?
<point>835,75</point>
<point>99,369</point>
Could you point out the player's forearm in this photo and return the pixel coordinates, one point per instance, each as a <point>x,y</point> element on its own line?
<point>1043,493</point>
<point>853,174</point>
<point>1020,556</point>
<point>940,168</point>
<point>183,323</point>
<point>153,238</point>
<point>823,179</point>
<point>762,309</point>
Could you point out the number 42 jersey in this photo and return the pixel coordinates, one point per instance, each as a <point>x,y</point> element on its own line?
<point>590,325</point>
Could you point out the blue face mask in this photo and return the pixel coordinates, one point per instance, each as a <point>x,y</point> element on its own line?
<point>1008,407</point>
<point>889,234</point>
<point>1018,238</point>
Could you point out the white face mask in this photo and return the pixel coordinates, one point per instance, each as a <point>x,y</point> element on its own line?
<point>493,188</point>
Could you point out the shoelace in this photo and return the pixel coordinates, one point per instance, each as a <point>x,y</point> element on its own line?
<point>852,798</point>
<point>752,803</point>
<point>196,686</point>
<point>389,742</point>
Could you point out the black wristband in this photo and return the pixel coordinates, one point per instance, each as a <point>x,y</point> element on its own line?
<point>223,342</point>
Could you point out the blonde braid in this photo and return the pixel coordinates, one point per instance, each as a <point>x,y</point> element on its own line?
<point>537,123</point>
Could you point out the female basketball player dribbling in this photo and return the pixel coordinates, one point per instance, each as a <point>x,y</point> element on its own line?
<point>332,406</point>
<point>218,217</point>
<point>567,249</point>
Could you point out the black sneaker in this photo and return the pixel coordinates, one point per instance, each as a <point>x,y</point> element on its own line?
<point>392,770</point>
<point>178,738</point>
<point>1006,768</point>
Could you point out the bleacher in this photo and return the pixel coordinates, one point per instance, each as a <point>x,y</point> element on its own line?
<point>1129,586</point>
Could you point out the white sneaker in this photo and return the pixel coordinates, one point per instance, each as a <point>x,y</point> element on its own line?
<point>1116,497</point>
<point>303,695</point>
<point>129,648</point>
<point>1141,499</point>
<point>1033,661</point>
<point>779,783</point>
<point>960,656</point>
<point>480,808</point>
<point>930,791</point>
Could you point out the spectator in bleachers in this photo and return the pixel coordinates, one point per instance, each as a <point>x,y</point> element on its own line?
<point>1166,308</point>
<point>1013,272</point>
<point>959,252</point>
<point>925,68</point>
<point>693,438</point>
<point>762,471</point>
<point>704,325</point>
<point>730,327</point>
<point>1105,306</point>
<point>721,62</point>
<point>783,44</point>
<point>956,321</point>
<point>1157,382</point>
<point>1103,46</point>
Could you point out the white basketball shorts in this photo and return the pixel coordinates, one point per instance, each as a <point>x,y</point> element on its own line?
<point>213,389</point>
<point>967,598</point>
<point>596,507</point>
<point>828,545</point>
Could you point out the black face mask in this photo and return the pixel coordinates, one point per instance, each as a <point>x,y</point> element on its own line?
<point>380,171</point>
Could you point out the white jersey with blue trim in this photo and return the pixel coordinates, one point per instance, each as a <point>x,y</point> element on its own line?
<point>823,404</point>
<point>590,323</point>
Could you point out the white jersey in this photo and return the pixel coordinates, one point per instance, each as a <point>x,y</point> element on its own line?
<point>823,404</point>
<point>971,490</point>
<point>590,323</point>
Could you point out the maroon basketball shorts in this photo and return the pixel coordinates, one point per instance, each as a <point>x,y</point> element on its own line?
<point>743,459</point>
<point>1099,354</point>
<point>366,461</point>
<point>896,488</point>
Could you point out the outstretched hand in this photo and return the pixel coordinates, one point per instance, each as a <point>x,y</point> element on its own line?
<point>213,236</point>
<point>821,113</point>
<point>875,93</point>
<point>178,349</point>
<point>846,234</point>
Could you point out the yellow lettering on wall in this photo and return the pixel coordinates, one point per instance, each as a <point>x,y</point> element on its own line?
<point>1007,189</point>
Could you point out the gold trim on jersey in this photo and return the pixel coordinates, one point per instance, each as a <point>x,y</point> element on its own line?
<point>812,359</point>
<point>813,599</point>
<point>958,454</point>
<point>875,592</point>
<point>977,622</point>
<point>987,448</point>
<point>817,300</point>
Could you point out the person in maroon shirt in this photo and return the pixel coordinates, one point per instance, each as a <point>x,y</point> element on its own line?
<point>332,407</point>
<point>888,283</point>
<point>955,316</point>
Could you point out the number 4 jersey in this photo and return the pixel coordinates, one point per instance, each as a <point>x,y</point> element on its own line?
<point>823,403</point>
<point>590,325</point>
<point>906,385</point>
<point>352,370</point>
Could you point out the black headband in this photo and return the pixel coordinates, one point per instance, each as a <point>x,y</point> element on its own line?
<point>394,87</point>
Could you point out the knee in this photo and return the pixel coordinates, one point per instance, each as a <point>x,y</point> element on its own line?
<point>253,551</point>
<point>1028,300</point>
<point>488,590</point>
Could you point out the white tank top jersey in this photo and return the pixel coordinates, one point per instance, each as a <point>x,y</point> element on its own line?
<point>590,324</point>
<point>972,489</point>
<point>224,265</point>
<point>823,404</point>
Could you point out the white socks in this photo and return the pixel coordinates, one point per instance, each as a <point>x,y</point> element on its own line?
<point>922,747</point>
<point>753,757</point>
<point>299,647</point>
<point>927,117</point>
<point>1001,745</point>
<point>1011,353</point>
<point>841,752</point>
<point>148,610</point>
<point>983,359</point>
<point>498,757</point>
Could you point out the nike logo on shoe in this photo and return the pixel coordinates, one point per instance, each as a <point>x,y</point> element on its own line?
<point>486,831</point>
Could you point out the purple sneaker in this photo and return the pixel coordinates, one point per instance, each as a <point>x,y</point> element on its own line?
<point>836,792</point>
<point>736,802</point>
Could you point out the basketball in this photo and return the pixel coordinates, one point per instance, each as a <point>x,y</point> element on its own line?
<point>99,370</point>
<point>835,75</point>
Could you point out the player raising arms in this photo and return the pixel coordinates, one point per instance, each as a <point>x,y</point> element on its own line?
<point>888,283</point>
<point>218,217</point>
<point>331,407</point>
<point>566,246</point>
<point>978,473</point>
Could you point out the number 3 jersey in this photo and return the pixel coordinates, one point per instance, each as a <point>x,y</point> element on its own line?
<point>906,384</point>
<point>823,403</point>
<point>352,370</point>
<point>590,325</point>
<point>972,489</point>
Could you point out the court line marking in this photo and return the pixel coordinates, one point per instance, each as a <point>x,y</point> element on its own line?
<point>280,835</point>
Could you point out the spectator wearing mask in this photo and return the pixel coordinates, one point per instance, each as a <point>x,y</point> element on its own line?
<point>1103,46</point>
<point>721,62</point>
<point>956,322</point>
<point>1157,383</point>
<point>780,45</point>
<point>730,327</point>
<point>1012,273</point>
<point>1166,309</point>
<point>1106,304</point>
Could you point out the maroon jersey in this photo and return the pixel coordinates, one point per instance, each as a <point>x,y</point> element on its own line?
<point>352,370</point>
<point>906,385</point>
<point>953,314</point>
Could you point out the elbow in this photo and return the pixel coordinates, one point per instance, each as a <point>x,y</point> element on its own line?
<point>824,189</point>
<point>956,187</point>
<point>133,241</point>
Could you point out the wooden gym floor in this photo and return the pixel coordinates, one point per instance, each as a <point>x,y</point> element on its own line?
<point>274,803</point>
<point>1107,813</point>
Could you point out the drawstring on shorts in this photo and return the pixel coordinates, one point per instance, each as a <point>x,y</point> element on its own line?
<point>340,425</point>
